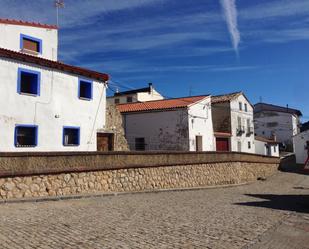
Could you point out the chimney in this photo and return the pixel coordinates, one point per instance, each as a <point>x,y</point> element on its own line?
<point>150,87</point>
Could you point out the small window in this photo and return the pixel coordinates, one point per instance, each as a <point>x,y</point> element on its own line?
<point>26,135</point>
<point>275,148</point>
<point>240,106</point>
<point>71,136</point>
<point>117,101</point>
<point>246,108</point>
<point>30,44</point>
<point>129,99</point>
<point>140,143</point>
<point>28,82</point>
<point>85,90</point>
<point>249,145</point>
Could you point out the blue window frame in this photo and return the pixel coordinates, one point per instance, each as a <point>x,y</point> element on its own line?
<point>71,136</point>
<point>85,89</point>
<point>28,82</point>
<point>26,136</point>
<point>30,43</point>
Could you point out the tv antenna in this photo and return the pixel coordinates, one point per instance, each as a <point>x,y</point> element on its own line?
<point>58,5</point>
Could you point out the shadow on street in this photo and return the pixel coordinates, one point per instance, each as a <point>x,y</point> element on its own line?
<point>295,203</point>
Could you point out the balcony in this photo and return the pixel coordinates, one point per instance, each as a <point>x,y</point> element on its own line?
<point>249,131</point>
<point>240,130</point>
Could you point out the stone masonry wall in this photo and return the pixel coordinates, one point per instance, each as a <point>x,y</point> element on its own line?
<point>114,125</point>
<point>134,179</point>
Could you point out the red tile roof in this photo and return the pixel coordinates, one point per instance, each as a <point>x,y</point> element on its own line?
<point>165,104</point>
<point>53,64</point>
<point>25,23</point>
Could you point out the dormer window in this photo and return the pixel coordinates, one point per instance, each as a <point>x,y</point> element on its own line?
<point>30,44</point>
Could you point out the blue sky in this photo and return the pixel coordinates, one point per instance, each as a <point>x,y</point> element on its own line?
<point>201,46</point>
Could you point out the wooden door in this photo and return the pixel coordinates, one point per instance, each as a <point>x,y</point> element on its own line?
<point>199,143</point>
<point>105,142</point>
<point>222,144</point>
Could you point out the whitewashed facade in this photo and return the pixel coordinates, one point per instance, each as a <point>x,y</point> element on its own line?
<point>46,105</point>
<point>301,145</point>
<point>233,123</point>
<point>137,95</point>
<point>266,147</point>
<point>282,122</point>
<point>184,129</point>
<point>13,32</point>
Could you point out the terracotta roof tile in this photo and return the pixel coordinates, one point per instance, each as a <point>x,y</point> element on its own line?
<point>53,64</point>
<point>166,104</point>
<point>25,23</point>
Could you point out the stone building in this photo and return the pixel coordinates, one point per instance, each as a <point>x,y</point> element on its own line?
<point>114,130</point>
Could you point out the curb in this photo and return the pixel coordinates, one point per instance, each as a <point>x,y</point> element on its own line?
<point>111,194</point>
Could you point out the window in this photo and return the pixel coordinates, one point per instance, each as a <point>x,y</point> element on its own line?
<point>117,101</point>
<point>30,44</point>
<point>246,107</point>
<point>240,106</point>
<point>129,99</point>
<point>140,143</point>
<point>275,148</point>
<point>71,136</point>
<point>28,82</point>
<point>26,135</point>
<point>239,122</point>
<point>85,89</point>
<point>249,145</point>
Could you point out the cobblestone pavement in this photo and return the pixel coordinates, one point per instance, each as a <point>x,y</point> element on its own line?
<point>266,214</point>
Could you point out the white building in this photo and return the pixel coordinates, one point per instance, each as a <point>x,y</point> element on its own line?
<point>36,39</point>
<point>281,122</point>
<point>183,124</point>
<point>266,147</point>
<point>46,105</point>
<point>136,95</point>
<point>232,116</point>
<point>301,146</point>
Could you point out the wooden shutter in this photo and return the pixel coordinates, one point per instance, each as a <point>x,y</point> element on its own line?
<point>31,45</point>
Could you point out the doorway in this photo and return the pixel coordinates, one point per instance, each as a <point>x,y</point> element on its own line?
<point>199,143</point>
<point>105,141</point>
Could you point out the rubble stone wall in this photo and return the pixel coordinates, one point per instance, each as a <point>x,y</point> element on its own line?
<point>134,179</point>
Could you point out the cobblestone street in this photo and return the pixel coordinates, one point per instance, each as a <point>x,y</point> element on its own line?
<point>266,214</point>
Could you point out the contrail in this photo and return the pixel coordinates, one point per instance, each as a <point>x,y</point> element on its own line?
<point>230,14</point>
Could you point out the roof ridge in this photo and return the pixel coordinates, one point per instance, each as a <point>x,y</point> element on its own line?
<point>52,64</point>
<point>27,23</point>
<point>161,100</point>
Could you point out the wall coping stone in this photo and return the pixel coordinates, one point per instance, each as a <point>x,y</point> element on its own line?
<point>43,163</point>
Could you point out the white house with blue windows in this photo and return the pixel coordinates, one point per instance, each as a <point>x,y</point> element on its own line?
<point>46,105</point>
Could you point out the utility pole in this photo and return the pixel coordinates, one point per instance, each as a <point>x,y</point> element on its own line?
<point>58,4</point>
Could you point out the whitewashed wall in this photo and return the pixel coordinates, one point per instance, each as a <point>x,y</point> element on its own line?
<point>164,130</point>
<point>200,124</point>
<point>59,96</point>
<point>299,144</point>
<point>235,113</point>
<point>10,38</point>
<point>137,97</point>
<point>260,148</point>
<point>284,125</point>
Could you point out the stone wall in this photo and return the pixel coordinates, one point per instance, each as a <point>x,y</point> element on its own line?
<point>136,178</point>
<point>114,125</point>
